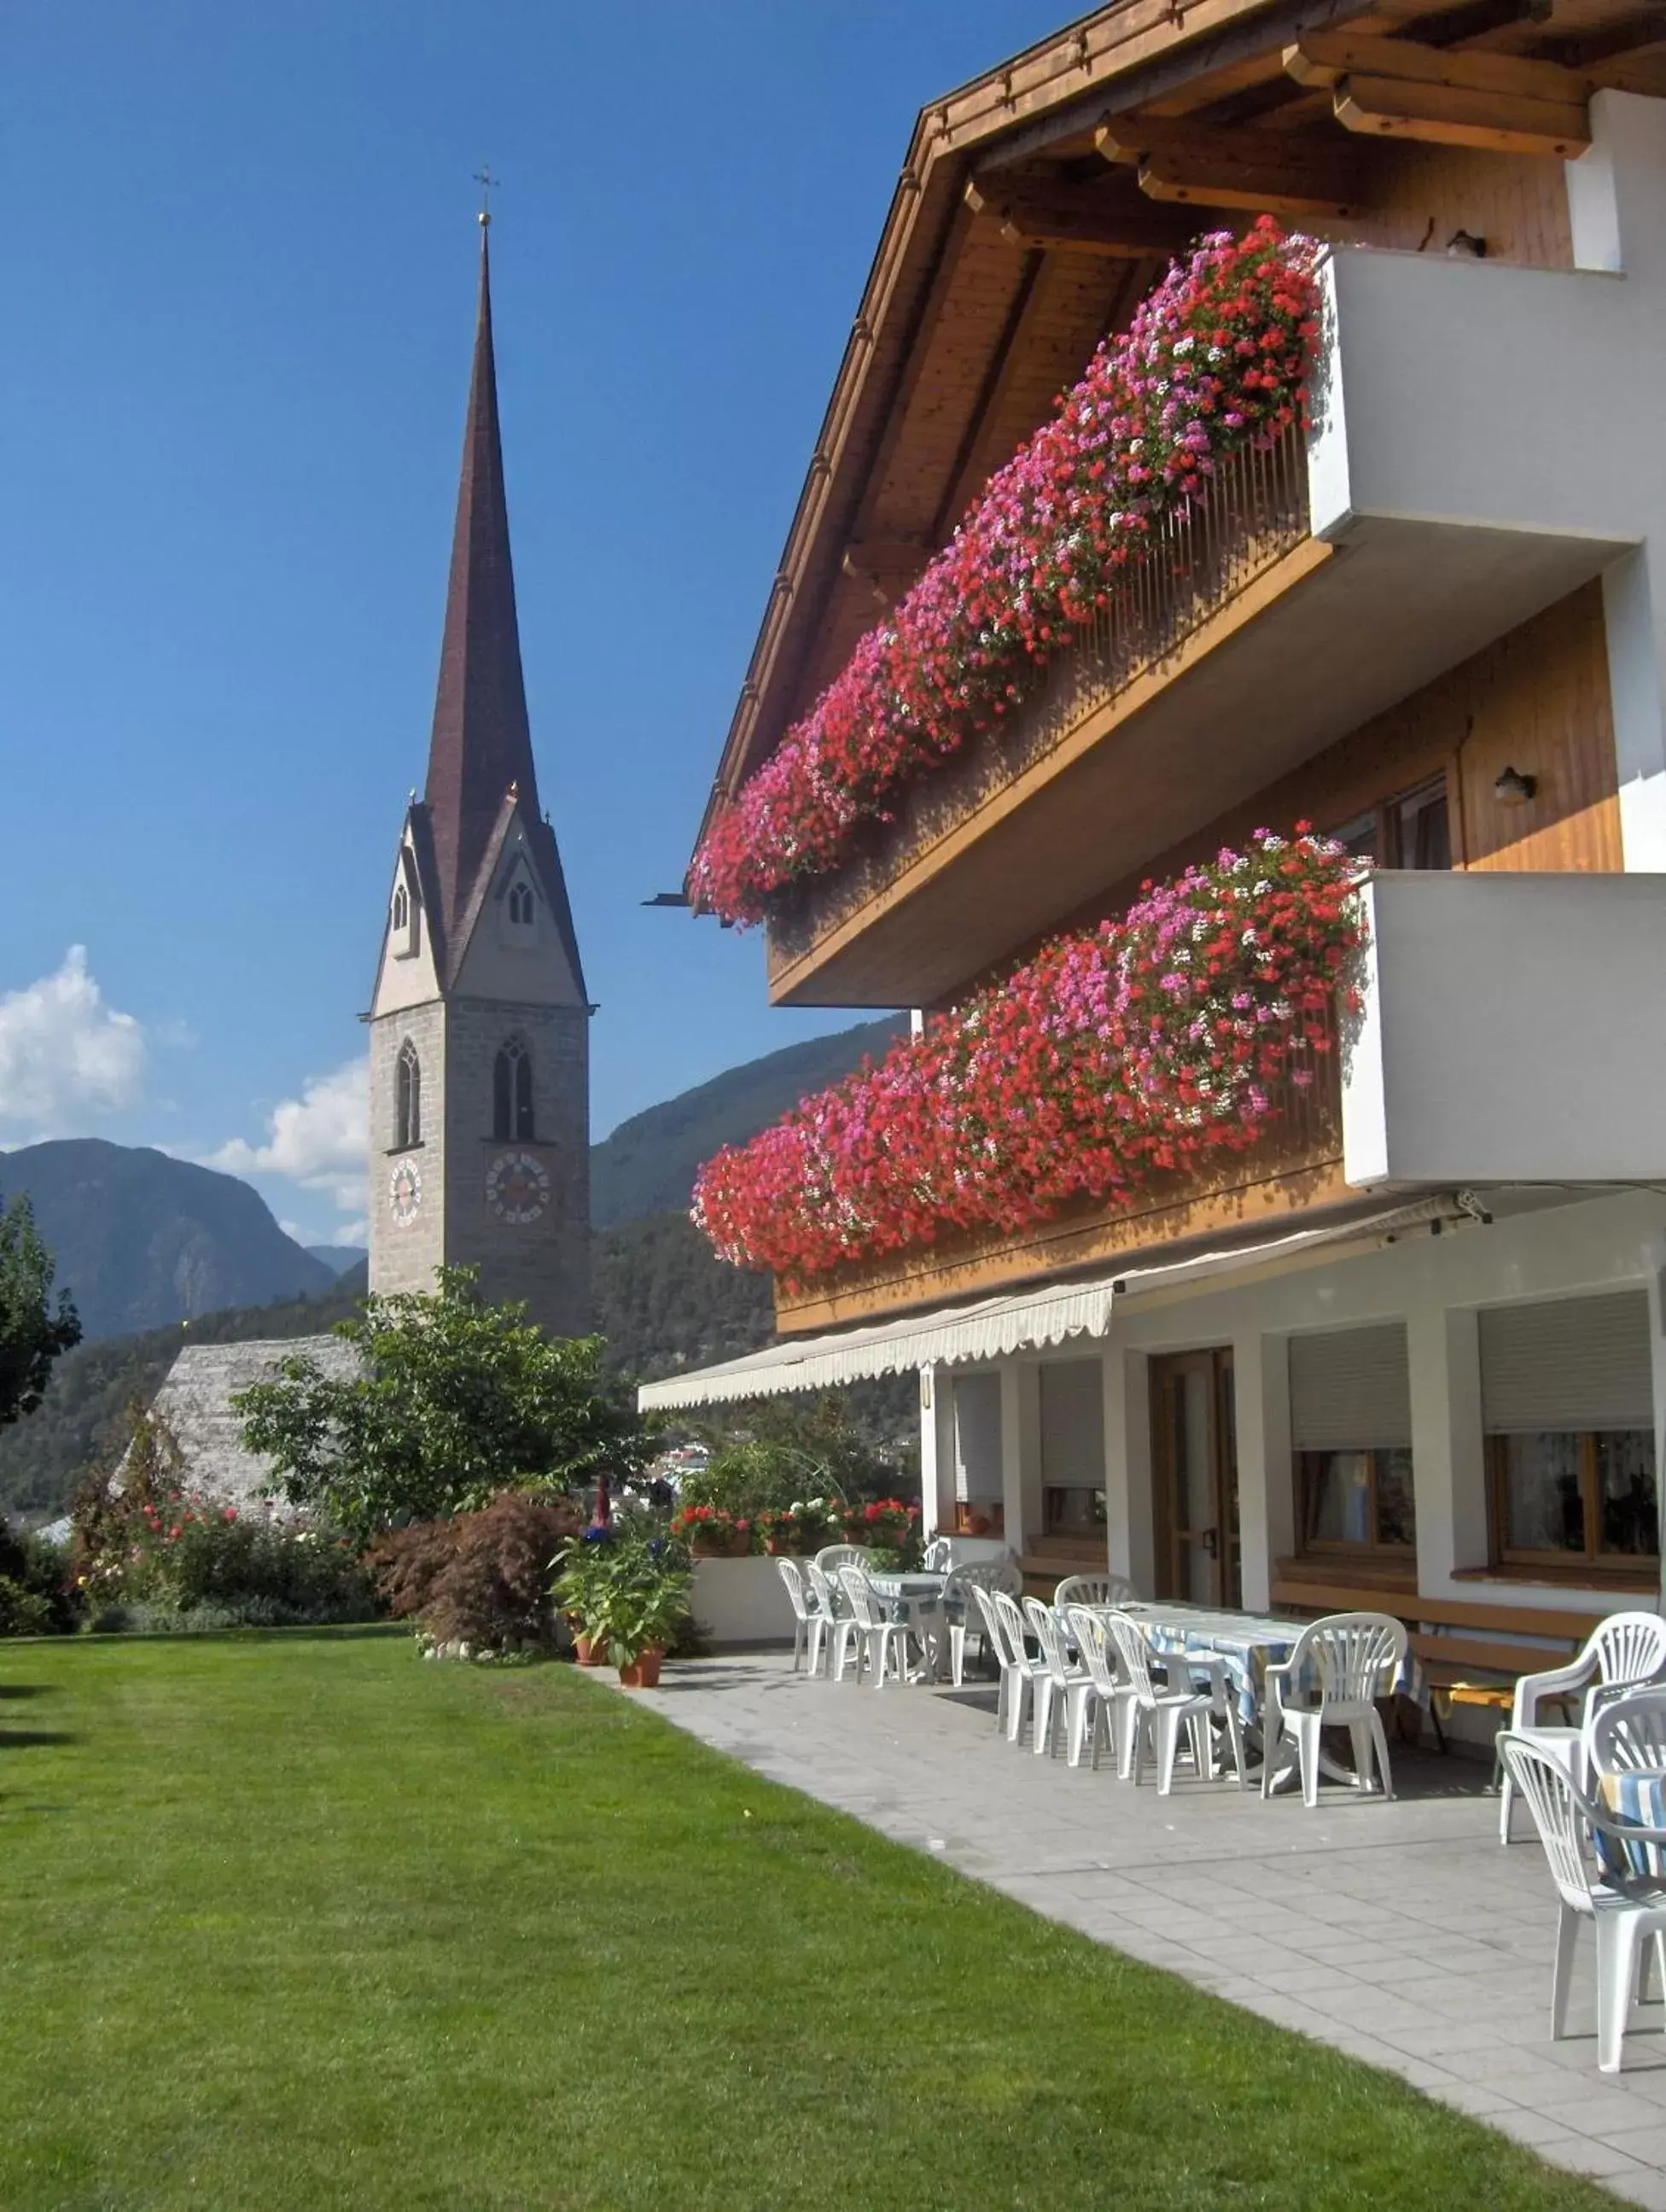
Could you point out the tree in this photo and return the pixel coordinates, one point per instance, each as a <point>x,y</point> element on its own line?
<point>454,1402</point>
<point>31,1335</point>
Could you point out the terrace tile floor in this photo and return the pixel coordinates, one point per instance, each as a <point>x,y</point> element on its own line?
<point>1400,1932</point>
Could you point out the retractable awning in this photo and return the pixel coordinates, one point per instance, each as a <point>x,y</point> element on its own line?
<point>994,1327</point>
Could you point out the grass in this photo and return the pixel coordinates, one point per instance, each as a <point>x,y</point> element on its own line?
<point>298,1921</point>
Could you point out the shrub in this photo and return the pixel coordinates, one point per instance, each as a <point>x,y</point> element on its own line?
<point>149,1553</point>
<point>479,1582</point>
<point>745,1479</point>
<point>34,1594</point>
<point>23,1611</point>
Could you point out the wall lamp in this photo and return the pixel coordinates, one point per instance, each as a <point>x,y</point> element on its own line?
<point>1513,788</point>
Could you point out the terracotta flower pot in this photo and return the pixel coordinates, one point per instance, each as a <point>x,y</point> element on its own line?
<point>589,1651</point>
<point>708,1548</point>
<point>780,1548</point>
<point>642,1673</point>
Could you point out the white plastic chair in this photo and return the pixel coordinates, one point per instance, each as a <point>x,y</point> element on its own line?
<point>808,1622</point>
<point>1623,1912</point>
<point>832,1557</point>
<point>1094,1589</point>
<point>1354,1658</point>
<point>1628,1734</point>
<point>844,1632</point>
<point>1109,1703</point>
<point>995,1640</point>
<point>886,1640</point>
<point>1625,1648</point>
<point>1157,1713</point>
<point>1025,1674</point>
<point>957,1607</point>
<point>1063,1689</point>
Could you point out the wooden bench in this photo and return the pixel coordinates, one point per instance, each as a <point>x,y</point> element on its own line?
<point>1472,1670</point>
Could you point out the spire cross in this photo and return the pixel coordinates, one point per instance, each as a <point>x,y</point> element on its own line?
<point>485,179</point>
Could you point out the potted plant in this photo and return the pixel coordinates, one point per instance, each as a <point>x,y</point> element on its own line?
<point>886,1522</point>
<point>626,1592</point>
<point>791,1530</point>
<point>711,1533</point>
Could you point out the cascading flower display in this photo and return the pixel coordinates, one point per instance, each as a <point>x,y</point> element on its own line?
<point>1114,1055</point>
<point>1214,360</point>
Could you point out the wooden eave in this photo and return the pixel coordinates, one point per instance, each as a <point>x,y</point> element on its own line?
<point>968,328</point>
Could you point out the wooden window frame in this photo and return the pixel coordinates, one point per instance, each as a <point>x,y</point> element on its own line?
<point>1571,1564</point>
<point>1389,811</point>
<point>1312,1547</point>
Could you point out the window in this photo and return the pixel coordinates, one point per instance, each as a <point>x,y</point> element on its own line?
<point>1567,1405</point>
<point>1350,1422</point>
<point>1357,1499</point>
<point>511,1091</point>
<point>402,908</point>
<point>407,1098</point>
<point>520,905</point>
<point>1408,831</point>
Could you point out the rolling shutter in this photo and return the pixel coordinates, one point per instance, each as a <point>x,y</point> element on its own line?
<point>1574,1364</point>
<point>1350,1390</point>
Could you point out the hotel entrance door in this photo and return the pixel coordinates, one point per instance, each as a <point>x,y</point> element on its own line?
<point>1194,1456</point>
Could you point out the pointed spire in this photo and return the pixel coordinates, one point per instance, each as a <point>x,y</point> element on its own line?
<point>481,744</point>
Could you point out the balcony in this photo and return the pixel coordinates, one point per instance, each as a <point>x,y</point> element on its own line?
<point>1438,502</point>
<point>1513,1031</point>
<point>1297,1166</point>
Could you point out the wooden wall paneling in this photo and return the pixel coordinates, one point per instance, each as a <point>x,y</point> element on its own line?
<point>1537,700</point>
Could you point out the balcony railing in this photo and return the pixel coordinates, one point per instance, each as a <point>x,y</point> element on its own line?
<point>1295,1164</point>
<point>1198,561</point>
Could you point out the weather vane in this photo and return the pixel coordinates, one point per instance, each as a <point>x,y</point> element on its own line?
<point>485,179</point>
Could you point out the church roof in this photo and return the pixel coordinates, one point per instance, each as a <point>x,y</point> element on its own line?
<point>481,743</point>
<point>196,1398</point>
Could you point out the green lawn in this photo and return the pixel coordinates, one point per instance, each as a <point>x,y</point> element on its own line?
<point>300,1921</point>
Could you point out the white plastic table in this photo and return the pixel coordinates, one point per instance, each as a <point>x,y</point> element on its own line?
<point>917,1597</point>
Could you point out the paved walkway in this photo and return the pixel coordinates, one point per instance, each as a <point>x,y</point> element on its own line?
<point>1401,1933</point>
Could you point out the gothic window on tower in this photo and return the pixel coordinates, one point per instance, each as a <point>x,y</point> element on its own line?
<point>407,1098</point>
<point>520,905</point>
<point>511,1092</point>
<point>402,922</point>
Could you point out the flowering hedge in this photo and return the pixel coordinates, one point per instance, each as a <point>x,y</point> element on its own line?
<point>1214,360</point>
<point>1132,1051</point>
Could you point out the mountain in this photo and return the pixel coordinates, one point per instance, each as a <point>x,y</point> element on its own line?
<point>649,1163</point>
<point>664,1301</point>
<point>340,1259</point>
<point>141,1240</point>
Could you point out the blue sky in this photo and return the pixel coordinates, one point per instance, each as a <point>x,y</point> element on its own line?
<point>241,279</point>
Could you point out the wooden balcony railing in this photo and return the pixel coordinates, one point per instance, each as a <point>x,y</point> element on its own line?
<point>1294,1166</point>
<point>1198,561</point>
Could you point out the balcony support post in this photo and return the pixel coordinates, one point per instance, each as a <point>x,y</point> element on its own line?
<point>1131,1546</point>
<point>936,1450</point>
<point>1266,1485</point>
<point>1449,1473</point>
<point>1021,1451</point>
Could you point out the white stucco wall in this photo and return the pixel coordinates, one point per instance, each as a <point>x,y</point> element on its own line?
<point>1514,1028</point>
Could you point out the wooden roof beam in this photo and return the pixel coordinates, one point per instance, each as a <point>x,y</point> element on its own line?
<point>1274,173</point>
<point>1435,114</point>
<point>1395,87</point>
<point>1045,217</point>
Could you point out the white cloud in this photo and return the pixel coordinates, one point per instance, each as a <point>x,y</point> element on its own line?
<point>67,1058</point>
<point>317,1141</point>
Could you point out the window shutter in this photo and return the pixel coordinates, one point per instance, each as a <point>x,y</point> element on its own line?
<point>1350,1390</point>
<point>1573,1364</point>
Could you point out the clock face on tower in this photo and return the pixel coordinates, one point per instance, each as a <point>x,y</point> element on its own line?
<point>405,1192</point>
<point>517,1186</point>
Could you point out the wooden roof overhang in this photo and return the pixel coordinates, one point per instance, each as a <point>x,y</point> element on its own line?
<point>1027,223</point>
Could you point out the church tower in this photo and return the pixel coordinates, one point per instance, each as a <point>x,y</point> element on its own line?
<point>479,1049</point>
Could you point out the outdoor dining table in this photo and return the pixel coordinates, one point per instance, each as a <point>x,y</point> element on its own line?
<point>1244,1644</point>
<point>917,1597</point>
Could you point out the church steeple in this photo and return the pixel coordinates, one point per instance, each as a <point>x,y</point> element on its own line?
<point>481,743</point>
<point>478,1052</point>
